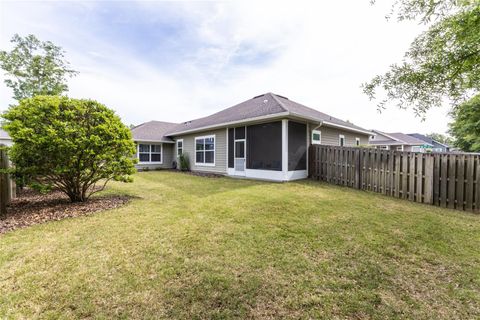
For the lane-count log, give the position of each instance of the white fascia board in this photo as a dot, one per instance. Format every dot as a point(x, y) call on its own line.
point(155, 141)
point(331, 124)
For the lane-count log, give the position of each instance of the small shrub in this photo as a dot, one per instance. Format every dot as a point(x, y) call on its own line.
point(183, 163)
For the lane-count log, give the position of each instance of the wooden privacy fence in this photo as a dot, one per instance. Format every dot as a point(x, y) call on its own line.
point(447, 180)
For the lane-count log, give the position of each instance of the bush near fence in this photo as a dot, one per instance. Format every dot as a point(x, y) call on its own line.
point(448, 180)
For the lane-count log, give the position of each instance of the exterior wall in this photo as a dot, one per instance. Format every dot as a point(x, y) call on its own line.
point(6, 142)
point(167, 158)
point(330, 136)
point(380, 137)
point(220, 150)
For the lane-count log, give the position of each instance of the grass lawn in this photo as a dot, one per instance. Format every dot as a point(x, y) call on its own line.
point(200, 248)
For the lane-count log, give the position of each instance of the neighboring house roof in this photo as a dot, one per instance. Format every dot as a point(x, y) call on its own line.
point(4, 135)
point(154, 131)
point(435, 143)
point(398, 138)
point(264, 106)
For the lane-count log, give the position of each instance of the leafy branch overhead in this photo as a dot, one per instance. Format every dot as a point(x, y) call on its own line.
point(443, 63)
point(35, 68)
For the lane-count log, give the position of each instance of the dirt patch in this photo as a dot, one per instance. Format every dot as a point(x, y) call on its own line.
point(31, 207)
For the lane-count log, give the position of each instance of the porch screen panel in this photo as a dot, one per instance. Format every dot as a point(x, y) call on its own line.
point(264, 146)
point(231, 148)
point(297, 146)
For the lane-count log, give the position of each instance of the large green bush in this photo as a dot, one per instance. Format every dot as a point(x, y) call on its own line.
point(76, 146)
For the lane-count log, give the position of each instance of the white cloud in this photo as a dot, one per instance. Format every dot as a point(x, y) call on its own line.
point(312, 52)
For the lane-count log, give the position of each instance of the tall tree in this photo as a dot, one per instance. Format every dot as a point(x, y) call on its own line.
point(466, 125)
point(35, 68)
point(442, 138)
point(76, 146)
point(443, 63)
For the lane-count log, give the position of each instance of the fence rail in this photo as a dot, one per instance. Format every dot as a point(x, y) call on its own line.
point(445, 180)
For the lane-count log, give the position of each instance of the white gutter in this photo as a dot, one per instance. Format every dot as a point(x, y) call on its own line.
point(347, 128)
point(159, 141)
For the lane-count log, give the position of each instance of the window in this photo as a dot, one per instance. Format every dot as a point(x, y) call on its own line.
point(179, 147)
point(150, 153)
point(316, 137)
point(205, 150)
point(341, 140)
point(357, 141)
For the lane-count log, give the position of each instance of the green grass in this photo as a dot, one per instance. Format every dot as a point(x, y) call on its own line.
point(201, 248)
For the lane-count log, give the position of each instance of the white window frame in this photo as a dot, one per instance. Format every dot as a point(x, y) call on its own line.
point(150, 153)
point(340, 137)
point(320, 134)
point(176, 146)
point(357, 141)
point(203, 164)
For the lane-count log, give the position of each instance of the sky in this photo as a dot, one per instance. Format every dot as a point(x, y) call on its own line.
point(177, 61)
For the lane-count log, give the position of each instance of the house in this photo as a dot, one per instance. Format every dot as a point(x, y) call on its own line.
point(437, 146)
point(266, 137)
point(399, 142)
point(5, 139)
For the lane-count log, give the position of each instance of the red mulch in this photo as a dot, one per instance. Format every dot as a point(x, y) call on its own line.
point(31, 207)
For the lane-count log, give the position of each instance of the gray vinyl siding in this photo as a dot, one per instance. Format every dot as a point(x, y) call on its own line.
point(167, 157)
point(330, 136)
point(220, 150)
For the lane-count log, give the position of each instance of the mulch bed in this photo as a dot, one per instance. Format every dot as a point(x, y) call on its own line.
point(198, 173)
point(31, 207)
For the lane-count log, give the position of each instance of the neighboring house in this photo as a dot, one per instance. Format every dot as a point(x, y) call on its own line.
point(5, 138)
point(437, 146)
point(399, 142)
point(266, 137)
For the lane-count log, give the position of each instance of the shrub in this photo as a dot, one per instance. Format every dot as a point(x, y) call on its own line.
point(184, 164)
point(76, 146)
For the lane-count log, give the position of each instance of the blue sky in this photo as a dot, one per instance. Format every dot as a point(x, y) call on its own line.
point(175, 61)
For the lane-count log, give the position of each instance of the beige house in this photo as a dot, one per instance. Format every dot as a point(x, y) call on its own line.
point(266, 137)
point(399, 142)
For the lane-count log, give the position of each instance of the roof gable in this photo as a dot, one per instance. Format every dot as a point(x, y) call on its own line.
point(153, 131)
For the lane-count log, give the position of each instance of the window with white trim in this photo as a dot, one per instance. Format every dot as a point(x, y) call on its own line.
point(316, 137)
point(205, 150)
point(179, 147)
point(150, 153)
point(341, 140)
point(357, 141)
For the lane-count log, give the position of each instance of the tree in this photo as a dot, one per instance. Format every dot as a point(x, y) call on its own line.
point(35, 68)
point(466, 125)
point(442, 138)
point(70, 144)
point(442, 64)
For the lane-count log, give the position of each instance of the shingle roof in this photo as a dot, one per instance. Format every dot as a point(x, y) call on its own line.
point(268, 104)
point(398, 138)
point(427, 139)
point(153, 131)
point(4, 135)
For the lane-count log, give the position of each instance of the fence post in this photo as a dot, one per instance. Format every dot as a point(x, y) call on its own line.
point(429, 173)
point(4, 183)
